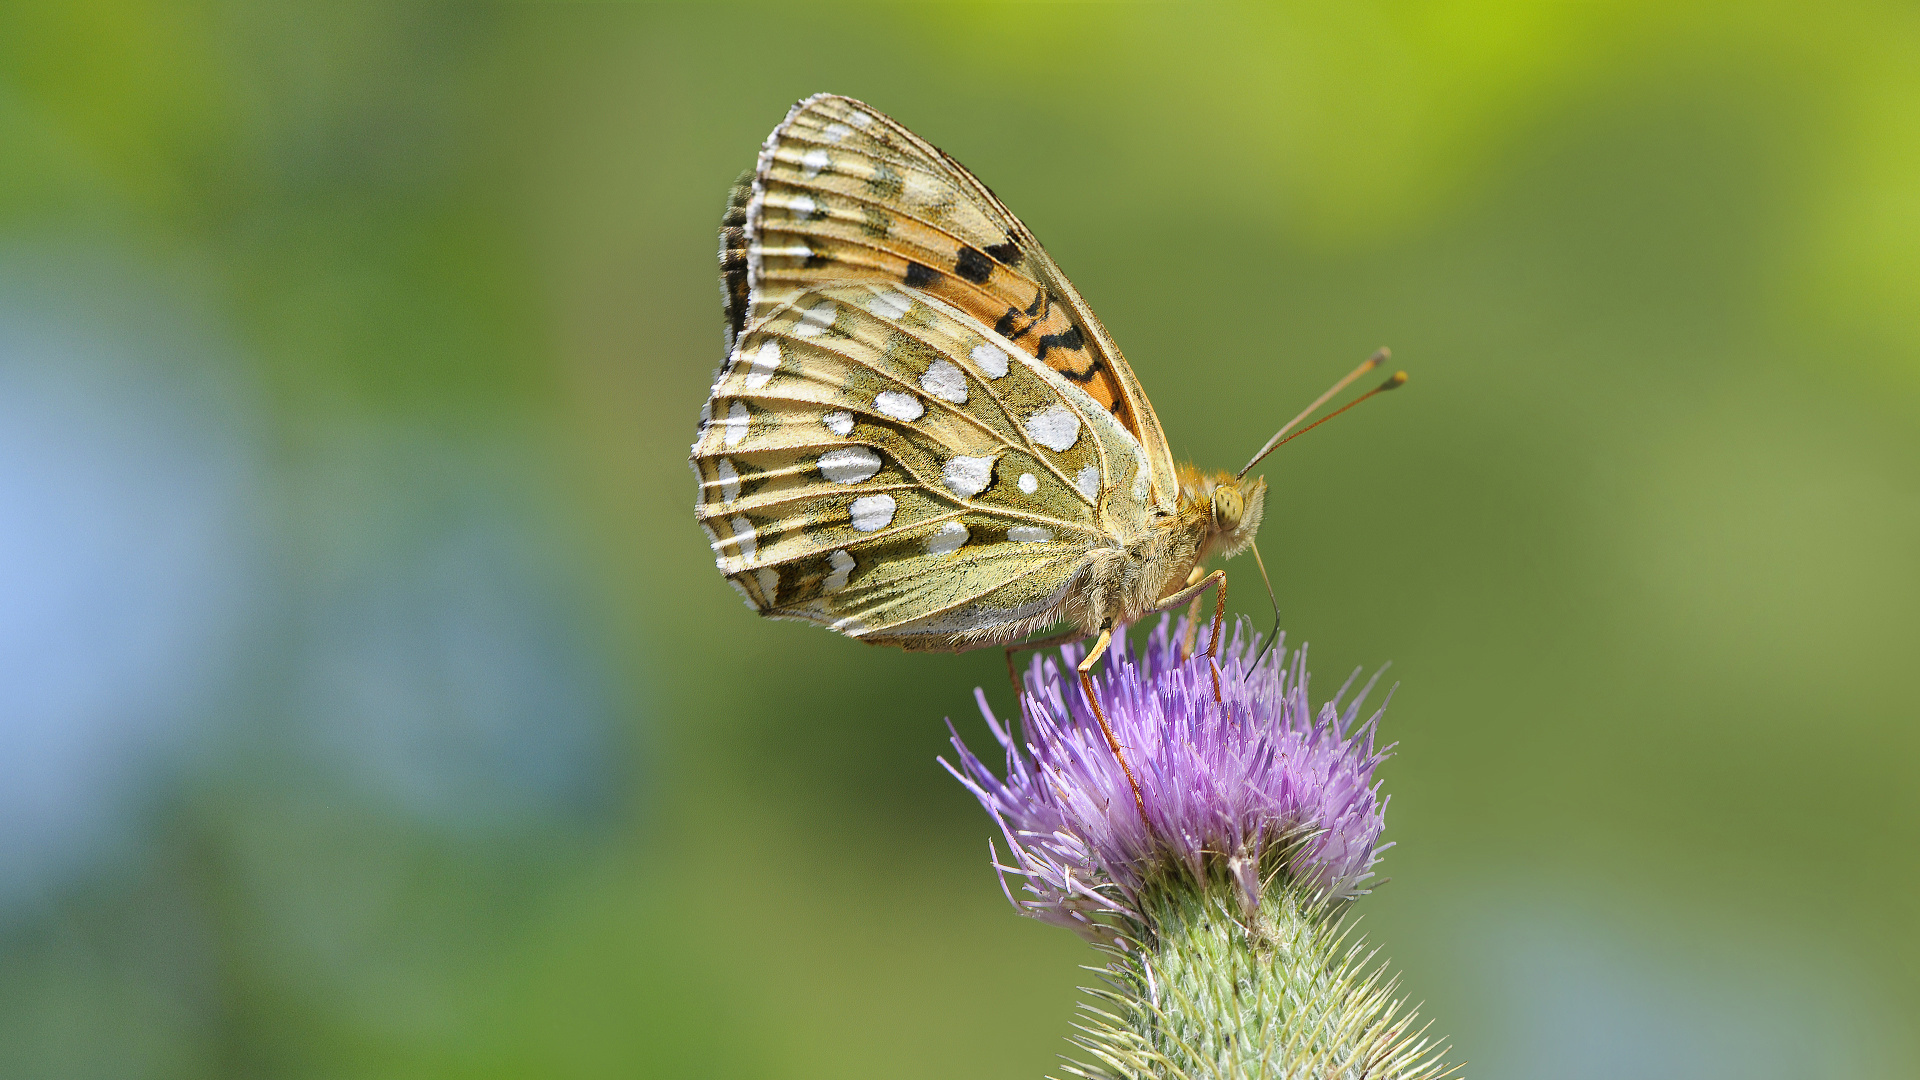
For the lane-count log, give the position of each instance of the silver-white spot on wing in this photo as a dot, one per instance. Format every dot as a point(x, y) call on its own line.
point(1054, 427)
point(839, 421)
point(729, 480)
point(946, 382)
point(948, 539)
point(1028, 484)
point(734, 427)
point(764, 362)
point(1088, 481)
point(890, 304)
point(815, 320)
point(792, 250)
point(1029, 534)
point(898, 405)
point(872, 513)
point(743, 539)
point(849, 464)
point(814, 162)
point(837, 131)
point(967, 476)
point(842, 564)
point(992, 360)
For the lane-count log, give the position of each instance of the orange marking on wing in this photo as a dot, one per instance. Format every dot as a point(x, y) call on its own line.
point(883, 205)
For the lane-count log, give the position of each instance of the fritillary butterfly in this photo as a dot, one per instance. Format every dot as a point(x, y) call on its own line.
point(922, 436)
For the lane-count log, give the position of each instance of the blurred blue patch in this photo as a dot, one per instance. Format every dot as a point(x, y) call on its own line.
point(391, 623)
point(279, 735)
point(128, 554)
point(447, 665)
point(1652, 995)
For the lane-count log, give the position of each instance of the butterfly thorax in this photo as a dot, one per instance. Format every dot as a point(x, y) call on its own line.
point(1118, 585)
point(1216, 515)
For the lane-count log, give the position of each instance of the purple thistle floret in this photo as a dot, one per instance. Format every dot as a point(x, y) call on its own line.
point(1238, 790)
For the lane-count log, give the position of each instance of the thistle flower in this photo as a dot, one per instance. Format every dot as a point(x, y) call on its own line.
point(1221, 910)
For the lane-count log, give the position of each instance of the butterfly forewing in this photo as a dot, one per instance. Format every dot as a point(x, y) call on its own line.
point(843, 193)
point(883, 463)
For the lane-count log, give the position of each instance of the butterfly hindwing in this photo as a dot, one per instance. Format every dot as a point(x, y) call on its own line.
point(842, 192)
point(883, 463)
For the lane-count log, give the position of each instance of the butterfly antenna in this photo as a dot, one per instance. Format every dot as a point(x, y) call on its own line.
point(1374, 361)
point(1275, 636)
point(1399, 379)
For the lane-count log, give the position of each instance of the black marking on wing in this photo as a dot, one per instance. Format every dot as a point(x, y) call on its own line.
point(733, 256)
point(1069, 338)
point(920, 276)
point(972, 265)
point(1035, 314)
point(1084, 377)
point(1006, 254)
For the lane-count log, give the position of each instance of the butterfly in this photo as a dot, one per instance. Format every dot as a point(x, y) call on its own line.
point(922, 436)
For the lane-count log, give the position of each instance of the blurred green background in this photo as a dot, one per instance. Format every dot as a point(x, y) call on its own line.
point(369, 706)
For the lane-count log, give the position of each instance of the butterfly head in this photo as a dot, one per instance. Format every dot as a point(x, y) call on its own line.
point(1227, 508)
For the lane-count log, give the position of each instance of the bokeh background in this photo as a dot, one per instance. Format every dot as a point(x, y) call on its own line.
point(369, 706)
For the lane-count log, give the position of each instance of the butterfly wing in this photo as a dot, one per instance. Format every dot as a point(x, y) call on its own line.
point(841, 192)
point(880, 462)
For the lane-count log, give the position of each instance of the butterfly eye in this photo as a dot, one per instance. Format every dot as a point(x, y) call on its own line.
point(1227, 507)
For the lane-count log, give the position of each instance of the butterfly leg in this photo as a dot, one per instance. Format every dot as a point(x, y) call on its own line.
point(1086, 684)
point(1013, 673)
point(1192, 592)
point(1193, 617)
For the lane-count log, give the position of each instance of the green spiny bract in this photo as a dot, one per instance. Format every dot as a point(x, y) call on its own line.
point(1202, 988)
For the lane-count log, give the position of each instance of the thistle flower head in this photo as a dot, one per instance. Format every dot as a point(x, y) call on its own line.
point(1238, 791)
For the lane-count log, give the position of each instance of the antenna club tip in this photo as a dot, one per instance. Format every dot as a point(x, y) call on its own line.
point(1399, 379)
point(1382, 355)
